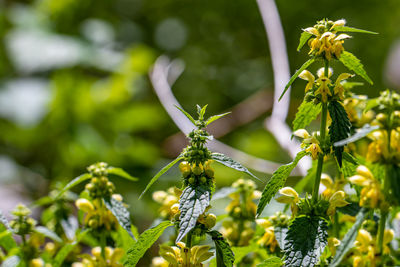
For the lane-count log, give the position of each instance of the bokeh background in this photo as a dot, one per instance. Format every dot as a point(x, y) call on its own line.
point(74, 86)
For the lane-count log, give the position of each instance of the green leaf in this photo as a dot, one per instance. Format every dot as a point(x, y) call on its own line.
point(231, 163)
point(348, 241)
point(74, 182)
point(67, 249)
point(354, 64)
point(120, 212)
point(349, 165)
point(121, 173)
point(303, 39)
point(306, 113)
point(48, 233)
point(394, 181)
point(305, 241)
point(352, 209)
point(12, 261)
point(163, 170)
point(216, 117)
point(145, 241)
point(201, 111)
point(339, 128)
point(271, 262)
point(192, 203)
point(187, 115)
point(277, 181)
point(241, 252)
point(225, 256)
point(308, 179)
point(371, 103)
point(124, 240)
point(296, 74)
point(351, 29)
point(4, 221)
point(6, 239)
point(364, 131)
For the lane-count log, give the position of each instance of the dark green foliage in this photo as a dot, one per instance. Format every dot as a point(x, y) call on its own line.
point(303, 39)
point(348, 241)
point(307, 112)
point(296, 74)
point(192, 203)
point(305, 241)
point(145, 241)
point(231, 163)
point(394, 180)
point(224, 254)
point(349, 165)
point(277, 181)
point(120, 212)
point(354, 64)
point(339, 128)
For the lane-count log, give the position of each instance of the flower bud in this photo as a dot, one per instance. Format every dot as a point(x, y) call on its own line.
point(117, 197)
point(36, 263)
point(211, 220)
point(93, 223)
point(84, 205)
point(203, 179)
point(197, 169)
point(96, 252)
point(191, 180)
point(185, 169)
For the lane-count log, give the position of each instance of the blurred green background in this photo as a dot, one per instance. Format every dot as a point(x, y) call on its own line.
point(74, 87)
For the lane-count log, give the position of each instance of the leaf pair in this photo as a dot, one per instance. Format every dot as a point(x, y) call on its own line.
point(201, 111)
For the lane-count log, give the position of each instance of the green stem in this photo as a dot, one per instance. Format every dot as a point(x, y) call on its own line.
point(189, 240)
point(320, 156)
point(103, 245)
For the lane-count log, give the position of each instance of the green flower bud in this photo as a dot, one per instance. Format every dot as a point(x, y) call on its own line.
point(203, 179)
point(185, 169)
point(211, 220)
point(197, 169)
point(191, 180)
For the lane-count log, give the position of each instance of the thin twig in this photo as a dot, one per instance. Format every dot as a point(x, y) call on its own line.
point(159, 76)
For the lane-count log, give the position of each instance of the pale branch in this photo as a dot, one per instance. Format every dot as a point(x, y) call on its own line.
point(159, 76)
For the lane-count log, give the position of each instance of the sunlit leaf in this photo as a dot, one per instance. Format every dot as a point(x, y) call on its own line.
point(364, 131)
point(187, 115)
point(351, 29)
point(307, 112)
point(216, 117)
point(271, 262)
point(303, 39)
point(121, 173)
point(231, 163)
point(48, 233)
point(354, 64)
point(67, 249)
point(74, 182)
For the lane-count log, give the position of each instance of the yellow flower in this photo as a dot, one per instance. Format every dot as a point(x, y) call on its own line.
point(238, 235)
point(289, 196)
point(378, 148)
point(337, 200)
point(169, 202)
point(323, 83)
point(183, 256)
point(306, 75)
point(112, 258)
point(159, 262)
point(339, 89)
point(333, 242)
point(370, 194)
point(310, 142)
point(268, 239)
point(331, 187)
point(246, 194)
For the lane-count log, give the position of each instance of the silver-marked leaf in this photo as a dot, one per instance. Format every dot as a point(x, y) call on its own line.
point(161, 172)
point(231, 163)
point(351, 29)
point(354, 64)
point(307, 112)
point(4, 221)
point(348, 241)
point(48, 233)
point(277, 181)
point(303, 39)
point(121, 173)
point(305, 241)
point(364, 131)
point(224, 254)
point(145, 241)
point(12, 261)
point(192, 203)
point(271, 262)
point(186, 114)
point(120, 212)
point(216, 117)
point(280, 235)
point(74, 182)
point(67, 249)
point(296, 74)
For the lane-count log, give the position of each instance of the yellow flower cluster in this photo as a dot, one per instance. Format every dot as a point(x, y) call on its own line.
point(169, 202)
point(310, 142)
point(355, 111)
point(365, 248)
point(112, 258)
point(326, 42)
point(268, 239)
point(97, 215)
point(182, 256)
point(378, 149)
point(371, 194)
point(324, 83)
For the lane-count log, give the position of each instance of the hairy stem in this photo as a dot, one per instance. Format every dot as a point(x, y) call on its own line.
point(322, 132)
point(189, 240)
